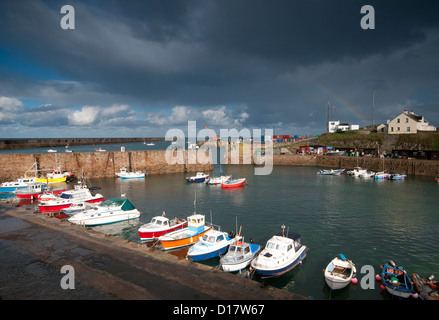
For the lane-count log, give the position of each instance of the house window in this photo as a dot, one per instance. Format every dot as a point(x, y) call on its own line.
point(398, 120)
point(406, 120)
point(397, 128)
point(391, 129)
point(408, 129)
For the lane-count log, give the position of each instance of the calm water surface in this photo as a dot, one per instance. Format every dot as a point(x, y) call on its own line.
point(369, 221)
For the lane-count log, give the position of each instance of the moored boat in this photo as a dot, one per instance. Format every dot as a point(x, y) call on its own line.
point(427, 288)
point(186, 236)
point(381, 175)
point(36, 189)
point(357, 171)
point(217, 180)
point(108, 211)
point(79, 194)
point(132, 175)
point(339, 273)
point(213, 244)
point(56, 176)
point(239, 256)
point(233, 183)
point(332, 172)
point(396, 281)
point(199, 177)
point(159, 226)
point(76, 207)
point(281, 254)
point(397, 176)
point(13, 186)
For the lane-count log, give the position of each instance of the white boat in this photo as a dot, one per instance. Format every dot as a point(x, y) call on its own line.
point(217, 180)
point(51, 150)
point(357, 171)
point(239, 256)
point(132, 175)
point(19, 184)
point(199, 177)
point(108, 211)
point(121, 171)
point(280, 255)
point(150, 144)
point(332, 172)
point(100, 150)
point(339, 273)
point(397, 176)
point(79, 194)
point(213, 244)
point(367, 174)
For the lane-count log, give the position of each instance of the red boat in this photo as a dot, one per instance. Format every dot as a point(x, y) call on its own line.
point(233, 183)
point(67, 198)
point(159, 226)
point(33, 190)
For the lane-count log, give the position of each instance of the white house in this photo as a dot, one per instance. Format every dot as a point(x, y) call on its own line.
point(408, 122)
point(334, 126)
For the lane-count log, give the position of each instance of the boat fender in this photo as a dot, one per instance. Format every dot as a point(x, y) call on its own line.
point(378, 277)
point(383, 287)
point(415, 295)
point(354, 280)
point(392, 263)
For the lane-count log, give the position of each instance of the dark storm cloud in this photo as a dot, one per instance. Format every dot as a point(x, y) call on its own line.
point(266, 55)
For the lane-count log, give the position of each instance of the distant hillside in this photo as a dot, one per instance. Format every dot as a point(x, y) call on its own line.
point(383, 141)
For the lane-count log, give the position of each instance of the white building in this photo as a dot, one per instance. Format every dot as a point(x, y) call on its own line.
point(334, 126)
point(408, 122)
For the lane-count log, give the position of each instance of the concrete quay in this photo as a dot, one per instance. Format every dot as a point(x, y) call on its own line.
point(34, 248)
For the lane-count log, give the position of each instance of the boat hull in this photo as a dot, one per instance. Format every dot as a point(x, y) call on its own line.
point(151, 235)
point(170, 243)
point(265, 272)
point(232, 184)
point(117, 216)
point(58, 207)
point(208, 255)
point(35, 195)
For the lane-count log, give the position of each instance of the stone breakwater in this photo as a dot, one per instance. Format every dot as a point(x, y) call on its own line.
point(94, 164)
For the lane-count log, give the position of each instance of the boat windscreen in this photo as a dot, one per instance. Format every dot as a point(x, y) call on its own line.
point(66, 196)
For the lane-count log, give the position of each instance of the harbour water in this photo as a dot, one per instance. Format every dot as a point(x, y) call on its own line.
point(369, 221)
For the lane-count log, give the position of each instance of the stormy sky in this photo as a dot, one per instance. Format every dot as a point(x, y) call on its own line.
point(139, 68)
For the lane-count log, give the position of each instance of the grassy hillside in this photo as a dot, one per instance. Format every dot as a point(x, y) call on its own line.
point(420, 141)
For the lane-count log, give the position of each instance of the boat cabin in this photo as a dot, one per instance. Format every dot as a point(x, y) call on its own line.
point(240, 249)
point(284, 244)
point(214, 237)
point(160, 221)
point(196, 222)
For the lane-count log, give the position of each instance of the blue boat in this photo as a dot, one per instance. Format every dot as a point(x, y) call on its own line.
point(199, 177)
point(280, 255)
point(213, 244)
point(239, 256)
point(397, 176)
point(19, 184)
point(396, 280)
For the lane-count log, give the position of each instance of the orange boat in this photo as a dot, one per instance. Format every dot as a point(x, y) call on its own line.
point(187, 236)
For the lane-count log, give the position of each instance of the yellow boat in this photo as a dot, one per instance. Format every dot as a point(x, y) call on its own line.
point(53, 177)
point(187, 236)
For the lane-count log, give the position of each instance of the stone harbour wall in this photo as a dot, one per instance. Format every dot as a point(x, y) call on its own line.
point(94, 164)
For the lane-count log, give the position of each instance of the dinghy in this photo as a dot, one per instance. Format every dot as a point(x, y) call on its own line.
point(339, 273)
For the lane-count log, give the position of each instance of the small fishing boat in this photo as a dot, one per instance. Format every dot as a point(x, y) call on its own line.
point(340, 272)
point(397, 176)
point(239, 256)
point(217, 180)
point(13, 186)
point(427, 288)
point(367, 174)
point(79, 194)
point(213, 244)
point(186, 236)
point(381, 175)
point(233, 183)
point(199, 177)
point(51, 150)
point(56, 176)
point(281, 254)
point(132, 175)
point(357, 171)
point(332, 172)
point(108, 211)
point(159, 226)
point(34, 190)
point(396, 280)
